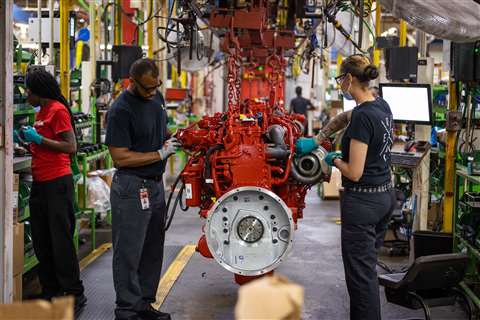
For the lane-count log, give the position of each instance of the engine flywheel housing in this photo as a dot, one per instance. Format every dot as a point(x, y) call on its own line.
point(249, 231)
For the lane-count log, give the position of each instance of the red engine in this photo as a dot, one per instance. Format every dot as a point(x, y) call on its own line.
point(242, 172)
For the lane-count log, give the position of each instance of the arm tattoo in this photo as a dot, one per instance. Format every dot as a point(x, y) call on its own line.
point(336, 124)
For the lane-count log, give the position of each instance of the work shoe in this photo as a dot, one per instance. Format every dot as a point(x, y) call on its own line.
point(80, 302)
point(152, 314)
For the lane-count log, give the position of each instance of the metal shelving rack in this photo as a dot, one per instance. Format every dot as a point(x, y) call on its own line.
point(471, 284)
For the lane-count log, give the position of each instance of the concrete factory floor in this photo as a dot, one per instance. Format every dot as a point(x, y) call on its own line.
point(207, 291)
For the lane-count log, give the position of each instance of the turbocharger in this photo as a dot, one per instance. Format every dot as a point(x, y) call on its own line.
point(311, 168)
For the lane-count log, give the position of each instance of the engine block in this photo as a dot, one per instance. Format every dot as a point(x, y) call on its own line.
point(249, 186)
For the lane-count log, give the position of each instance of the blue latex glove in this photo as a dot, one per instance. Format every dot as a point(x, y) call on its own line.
point(332, 156)
point(31, 135)
point(16, 137)
point(305, 146)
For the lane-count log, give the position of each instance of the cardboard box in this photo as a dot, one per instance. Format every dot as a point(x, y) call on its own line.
point(108, 178)
point(59, 309)
point(18, 248)
point(331, 190)
point(15, 189)
point(18, 288)
point(273, 298)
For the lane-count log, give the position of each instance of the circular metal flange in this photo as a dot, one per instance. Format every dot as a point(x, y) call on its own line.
point(249, 231)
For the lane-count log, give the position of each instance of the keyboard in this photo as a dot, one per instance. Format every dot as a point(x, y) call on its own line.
point(405, 159)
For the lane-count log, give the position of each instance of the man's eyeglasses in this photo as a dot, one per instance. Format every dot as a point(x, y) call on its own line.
point(148, 89)
point(340, 78)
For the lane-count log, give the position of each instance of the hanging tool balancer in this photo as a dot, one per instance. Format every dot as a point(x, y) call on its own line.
point(242, 171)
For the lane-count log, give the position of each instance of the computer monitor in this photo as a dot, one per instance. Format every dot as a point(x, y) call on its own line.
point(348, 104)
point(408, 102)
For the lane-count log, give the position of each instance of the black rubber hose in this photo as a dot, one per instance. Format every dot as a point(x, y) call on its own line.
point(183, 207)
point(167, 208)
point(208, 170)
point(175, 204)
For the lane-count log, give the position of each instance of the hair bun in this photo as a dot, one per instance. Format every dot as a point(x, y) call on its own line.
point(371, 72)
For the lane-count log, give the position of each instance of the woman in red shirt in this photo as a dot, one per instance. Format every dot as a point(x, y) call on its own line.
point(52, 215)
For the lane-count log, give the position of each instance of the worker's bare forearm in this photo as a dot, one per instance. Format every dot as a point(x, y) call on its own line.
point(345, 169)
point(132, 159)
point(66, 145)
point(334, 125)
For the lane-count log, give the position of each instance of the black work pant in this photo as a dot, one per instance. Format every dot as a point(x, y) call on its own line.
point(138, 239)
point(52, 219)
point(364, 222)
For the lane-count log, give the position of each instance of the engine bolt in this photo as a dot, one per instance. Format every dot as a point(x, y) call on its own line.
point(224, 210)
point(235, 198)
point(274, 229)
point(275, 240)
point(225, 219)
point(272, 217)
point(265, 208)
point(225, 230)
point(260, 197)
point(226, 242)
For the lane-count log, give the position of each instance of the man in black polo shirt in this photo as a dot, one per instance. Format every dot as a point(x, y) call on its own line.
point(301, 105)
point(137, 140)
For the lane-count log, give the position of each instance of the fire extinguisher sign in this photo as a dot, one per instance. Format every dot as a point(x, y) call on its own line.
point(188, 190)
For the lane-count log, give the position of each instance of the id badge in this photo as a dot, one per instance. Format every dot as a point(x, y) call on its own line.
point(144, 201)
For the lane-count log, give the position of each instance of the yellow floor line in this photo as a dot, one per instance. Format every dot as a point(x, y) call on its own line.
point(94, 255)
point(172, 274)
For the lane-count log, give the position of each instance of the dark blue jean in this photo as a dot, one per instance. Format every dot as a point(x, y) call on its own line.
point(365, 217)
point(138, 240)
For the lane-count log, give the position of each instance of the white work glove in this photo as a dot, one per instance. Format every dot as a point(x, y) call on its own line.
point(169, 148)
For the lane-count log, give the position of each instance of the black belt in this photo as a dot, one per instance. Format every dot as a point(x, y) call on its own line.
point(370, 189)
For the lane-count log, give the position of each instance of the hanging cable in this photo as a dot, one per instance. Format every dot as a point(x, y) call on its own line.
point(167, 29)
point(175, 204)
point(150, 16)
point(170, 215)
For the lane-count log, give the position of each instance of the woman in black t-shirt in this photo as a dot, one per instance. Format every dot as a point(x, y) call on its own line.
point(367, 201)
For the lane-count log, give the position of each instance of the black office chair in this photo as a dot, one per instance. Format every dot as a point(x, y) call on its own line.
point(430, 282)
point(398, 246)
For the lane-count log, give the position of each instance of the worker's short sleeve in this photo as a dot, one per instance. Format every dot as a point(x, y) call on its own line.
point(118, 128)
point(361, 128)
point(61, 121)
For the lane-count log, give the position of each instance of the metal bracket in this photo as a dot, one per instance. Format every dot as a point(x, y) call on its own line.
point(454, 120)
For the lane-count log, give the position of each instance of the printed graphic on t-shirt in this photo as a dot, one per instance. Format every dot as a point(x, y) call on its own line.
point(387, 125)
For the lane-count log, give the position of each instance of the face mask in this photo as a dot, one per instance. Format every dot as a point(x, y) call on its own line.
point(347, 94)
